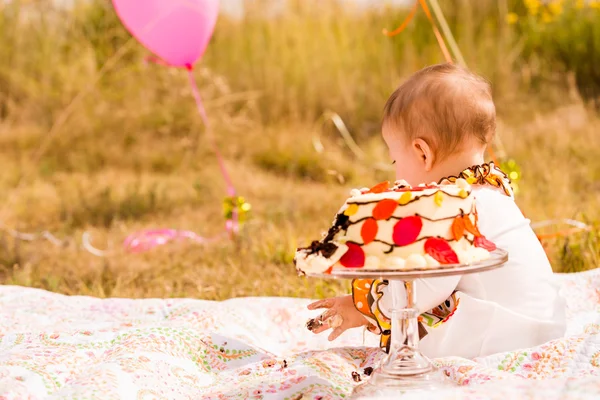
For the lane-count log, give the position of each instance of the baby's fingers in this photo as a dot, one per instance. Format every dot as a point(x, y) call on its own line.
point(340, 327)
point(337, 332)
point(321, 323)
point(320, 328)
point(326, 303)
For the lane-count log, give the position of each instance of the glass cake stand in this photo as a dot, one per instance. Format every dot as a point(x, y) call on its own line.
point(405, 368)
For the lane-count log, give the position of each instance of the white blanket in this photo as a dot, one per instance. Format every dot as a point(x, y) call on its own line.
point(59, 347)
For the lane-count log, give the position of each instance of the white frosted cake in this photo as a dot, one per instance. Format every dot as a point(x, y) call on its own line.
point(400, 228)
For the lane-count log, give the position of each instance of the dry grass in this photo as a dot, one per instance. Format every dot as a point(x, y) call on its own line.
point(132, 155)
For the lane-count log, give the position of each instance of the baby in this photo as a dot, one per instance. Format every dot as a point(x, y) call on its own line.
point(437, 126)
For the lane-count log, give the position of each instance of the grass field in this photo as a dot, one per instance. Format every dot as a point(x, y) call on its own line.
point(93, 139)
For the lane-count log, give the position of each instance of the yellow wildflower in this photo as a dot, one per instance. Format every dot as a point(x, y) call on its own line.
point(533, 6)
point(579, 4)
point(512, 18)
point(556, 7)
point(546, 17)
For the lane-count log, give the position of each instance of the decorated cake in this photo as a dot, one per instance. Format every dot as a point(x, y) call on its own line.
point(400, 228)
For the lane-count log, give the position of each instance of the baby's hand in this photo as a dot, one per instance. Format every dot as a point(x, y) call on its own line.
point(340, 316)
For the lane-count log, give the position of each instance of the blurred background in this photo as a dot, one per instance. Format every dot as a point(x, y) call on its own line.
point(94, 139)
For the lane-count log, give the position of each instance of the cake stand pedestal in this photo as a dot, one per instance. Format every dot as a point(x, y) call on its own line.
point(406, 369)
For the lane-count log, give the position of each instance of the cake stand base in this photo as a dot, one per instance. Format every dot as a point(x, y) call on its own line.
point(406, 370)
point(384, 386)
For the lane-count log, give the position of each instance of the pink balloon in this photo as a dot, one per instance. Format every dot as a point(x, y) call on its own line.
point(177, 31)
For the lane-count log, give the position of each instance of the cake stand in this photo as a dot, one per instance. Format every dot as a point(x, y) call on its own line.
point(406, 369)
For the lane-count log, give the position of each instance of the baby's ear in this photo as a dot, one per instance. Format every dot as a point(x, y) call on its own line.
point(424, 153)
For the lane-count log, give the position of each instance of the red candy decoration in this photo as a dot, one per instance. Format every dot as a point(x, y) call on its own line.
point(380, 187)
point(441, 251)
point(384, 209)
point(482, 242)
point(407, 230)
point(369, 230)
point(354, 257)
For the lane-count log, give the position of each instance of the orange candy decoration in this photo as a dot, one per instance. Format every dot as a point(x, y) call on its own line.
point(470, 227)
point(458, 228)
point(369, 230)
point(380, 187)
point(462, 223)
point(384, 209)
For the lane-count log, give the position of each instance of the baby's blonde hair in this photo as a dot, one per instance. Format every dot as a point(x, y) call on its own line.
point(443, 104)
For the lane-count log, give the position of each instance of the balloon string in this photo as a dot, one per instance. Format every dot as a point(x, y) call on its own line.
point(204, 117)
point(436, 32)
point(441, 43)
point(492, 154)
point(202, 112)
point(404, 23)
point(156, 60)
point(575, 227)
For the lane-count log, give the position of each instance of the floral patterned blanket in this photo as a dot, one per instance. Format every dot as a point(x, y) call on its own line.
point(59, 347)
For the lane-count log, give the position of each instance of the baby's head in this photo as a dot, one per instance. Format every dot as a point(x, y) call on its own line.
point(438, 123)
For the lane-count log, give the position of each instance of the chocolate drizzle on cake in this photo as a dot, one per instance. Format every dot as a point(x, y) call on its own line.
point(358, 221)
point(393, 246)
point(418, 196)
point(342, 222)
point(326, 247)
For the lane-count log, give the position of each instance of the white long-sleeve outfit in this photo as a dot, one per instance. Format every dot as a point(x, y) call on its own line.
point(512, 307)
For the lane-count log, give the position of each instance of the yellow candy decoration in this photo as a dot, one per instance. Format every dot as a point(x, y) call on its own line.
point(405, 198)
point(463, 193)
point(438, 198)
point(351, 210)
